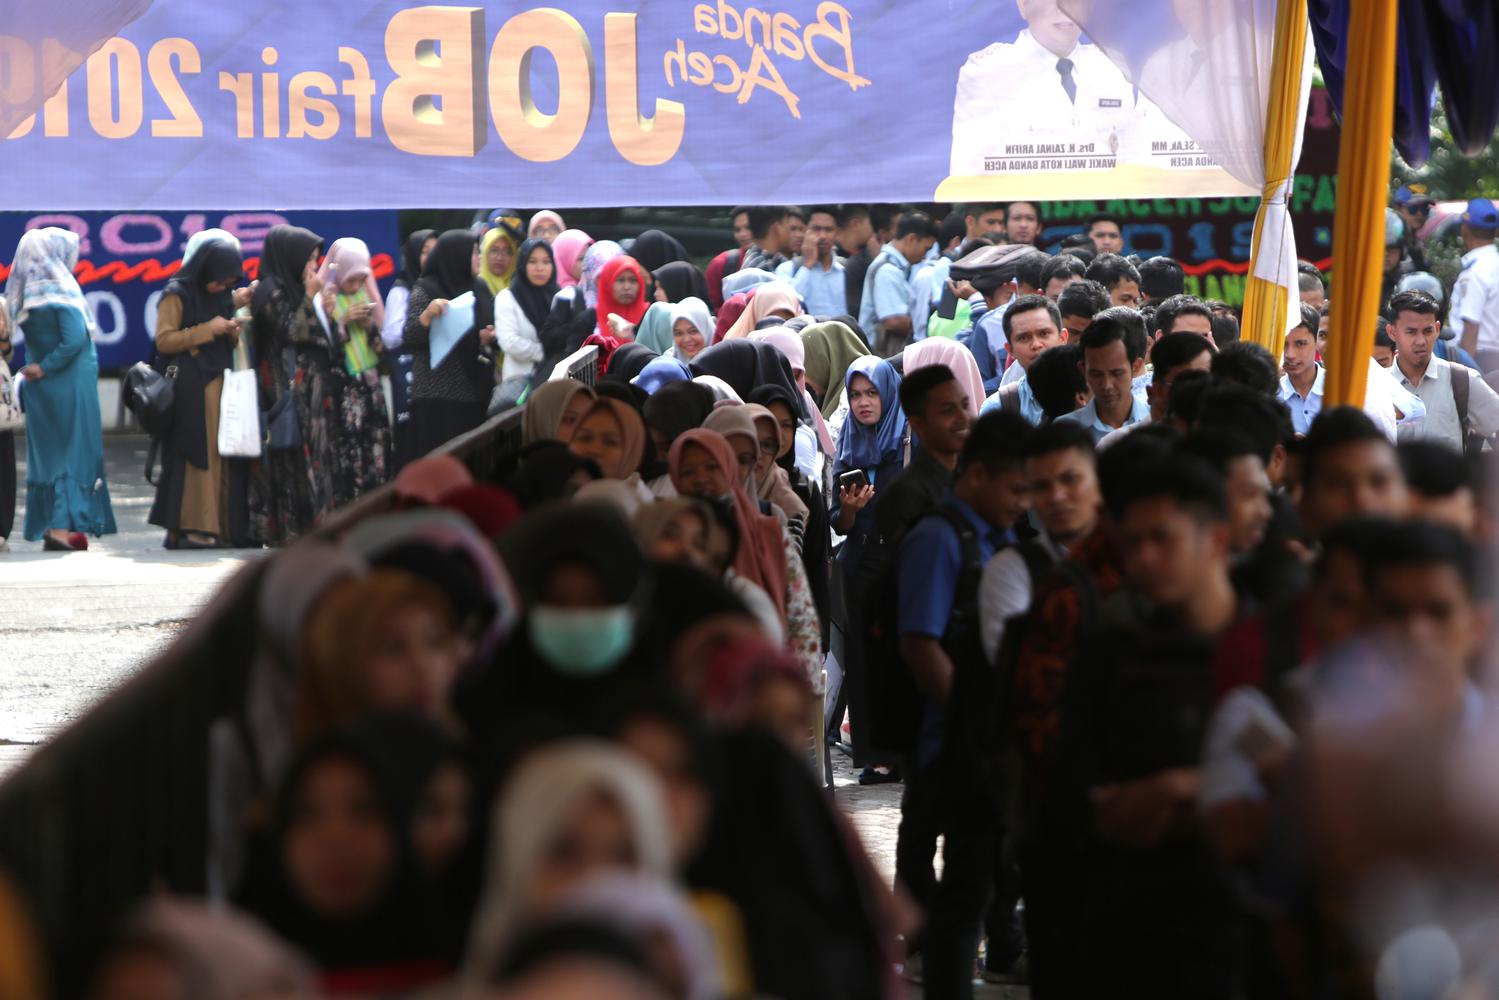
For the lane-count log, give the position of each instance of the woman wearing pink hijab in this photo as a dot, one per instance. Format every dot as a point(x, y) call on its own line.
point(775, 298)
point(943, 351)
point(790, 344)
point(349, 306)
point(546, 225)
point(569, 248)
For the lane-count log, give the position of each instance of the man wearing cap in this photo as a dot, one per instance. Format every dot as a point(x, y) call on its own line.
point(1475, 297)
point(1414, 206)
point(991, 271)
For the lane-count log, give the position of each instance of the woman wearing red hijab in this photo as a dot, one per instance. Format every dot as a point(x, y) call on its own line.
point(622, 292)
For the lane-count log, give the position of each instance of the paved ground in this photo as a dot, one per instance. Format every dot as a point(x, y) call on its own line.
point(75, 624)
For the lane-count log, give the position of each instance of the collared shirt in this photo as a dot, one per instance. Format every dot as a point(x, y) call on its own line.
point(1139, 412)
point(1304, 409)
point(822, 288)
point(931, 560)
point(1030, 408)
point(887, 289)
point(1441, 423)
point(756, 258)
point(1013, 104)
point(1014, 373)
point(987, 345)
point(1475, 296)
point(1005, 592)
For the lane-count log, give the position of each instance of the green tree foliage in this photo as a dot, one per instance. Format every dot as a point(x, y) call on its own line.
point(1447, 174)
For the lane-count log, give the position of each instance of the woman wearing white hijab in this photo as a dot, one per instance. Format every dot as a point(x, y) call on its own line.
point(571, 812)
point(66, 495)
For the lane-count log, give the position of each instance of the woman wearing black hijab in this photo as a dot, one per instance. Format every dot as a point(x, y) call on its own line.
point(452, 398)
point(522, 308)
point(627, 361)
point(746, 365)
point(680, 280)
point(816, 542)
point(200, 499)
point(674, 410)
point(655, 249)
point(413, 255)
point(292, 484)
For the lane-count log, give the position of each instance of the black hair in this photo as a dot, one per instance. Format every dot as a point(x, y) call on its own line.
point(917, 386)
point(1028, 269)
point(1167, 311)
point(1425, 543)
point(1123, 464)
point(1162, 277)
point(797, 211)
point(979, 208)
point(1310, 318)
point(880, 216)
point(1263, 419)
point(1055, 380)
point(1220, 446)
point(1086, 254)
point(1336, 427)
point(1060, 435)
point(996, 441)
point(848, 213)
point(1077, 241)
point(1432, 468)
point(1225, 330)
point(1109, 269)
point(916, 224)
point(1094, 220)
point(1174, 350)
point(1119, 324)
point(1412, 301)
point(952, 228)
point(1381, 335)
point(1310, 281)
point(739, 210)
point(1184, 401)
point(1062, 266)
point(829, 210)
point(1186, 479)
point(1358, 536)
point(567, 941)
point(1249, 365)
point(977, 243)
point(1083, 298)
point(765, 216)
point(1030, 303)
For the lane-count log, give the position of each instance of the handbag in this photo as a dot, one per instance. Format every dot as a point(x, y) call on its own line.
point(151, 396)
point(239, 415)
point(12, 417)
point(282, 430)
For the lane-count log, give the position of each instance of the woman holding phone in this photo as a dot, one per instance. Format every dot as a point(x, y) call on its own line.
point(200, 499)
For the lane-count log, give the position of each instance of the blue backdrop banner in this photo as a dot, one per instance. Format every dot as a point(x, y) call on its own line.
point(125, 260)
point(311, 104)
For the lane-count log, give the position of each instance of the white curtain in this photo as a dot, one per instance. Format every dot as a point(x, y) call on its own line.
point(43, 41)
point(1207, 65)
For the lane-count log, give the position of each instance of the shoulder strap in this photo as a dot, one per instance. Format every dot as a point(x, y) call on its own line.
point(1461, 390)
point(972, 571)
point(1009, 398)
point(732, 261)
point(1038, 559)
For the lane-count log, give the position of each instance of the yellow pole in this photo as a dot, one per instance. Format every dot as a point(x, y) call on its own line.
point(1363, 189)
point(1266, 303)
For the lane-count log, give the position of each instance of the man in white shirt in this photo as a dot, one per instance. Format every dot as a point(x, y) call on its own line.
point(1459, 403)
point(817, 274)
point(1043, 96)
point(1475, 296)
point(1063, 476)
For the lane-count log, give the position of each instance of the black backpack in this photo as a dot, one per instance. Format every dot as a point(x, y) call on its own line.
point(896, 703)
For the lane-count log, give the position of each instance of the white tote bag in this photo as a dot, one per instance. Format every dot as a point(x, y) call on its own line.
point(11, 417)
point(239, 415)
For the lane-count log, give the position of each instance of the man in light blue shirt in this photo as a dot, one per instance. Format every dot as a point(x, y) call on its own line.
point(1301, 385)
point(1113, 357)
point(817, 274)
point(885, 314)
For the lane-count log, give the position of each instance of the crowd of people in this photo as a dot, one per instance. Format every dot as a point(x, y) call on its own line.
point(1182, 668)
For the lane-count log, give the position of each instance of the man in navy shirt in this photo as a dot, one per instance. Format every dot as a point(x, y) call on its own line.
point(941, 561)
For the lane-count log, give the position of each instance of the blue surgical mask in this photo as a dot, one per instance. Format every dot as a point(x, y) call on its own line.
point(583, 642)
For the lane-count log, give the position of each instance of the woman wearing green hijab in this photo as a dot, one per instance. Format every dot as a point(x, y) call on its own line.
point(831, 348)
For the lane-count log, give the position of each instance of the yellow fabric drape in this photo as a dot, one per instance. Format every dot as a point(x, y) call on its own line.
point(1363, 187)
point(1266, 302)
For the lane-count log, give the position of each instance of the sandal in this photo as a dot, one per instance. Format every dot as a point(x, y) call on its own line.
point(76, 542)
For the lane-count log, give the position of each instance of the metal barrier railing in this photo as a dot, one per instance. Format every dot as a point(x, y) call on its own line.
point(117, 804)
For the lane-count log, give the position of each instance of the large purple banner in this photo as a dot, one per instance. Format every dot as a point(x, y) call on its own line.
point(312, 104)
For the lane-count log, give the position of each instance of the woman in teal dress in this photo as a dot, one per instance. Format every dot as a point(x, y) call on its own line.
point(66, 495)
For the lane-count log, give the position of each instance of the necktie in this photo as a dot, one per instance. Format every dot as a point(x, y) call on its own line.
point(1064, 70)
